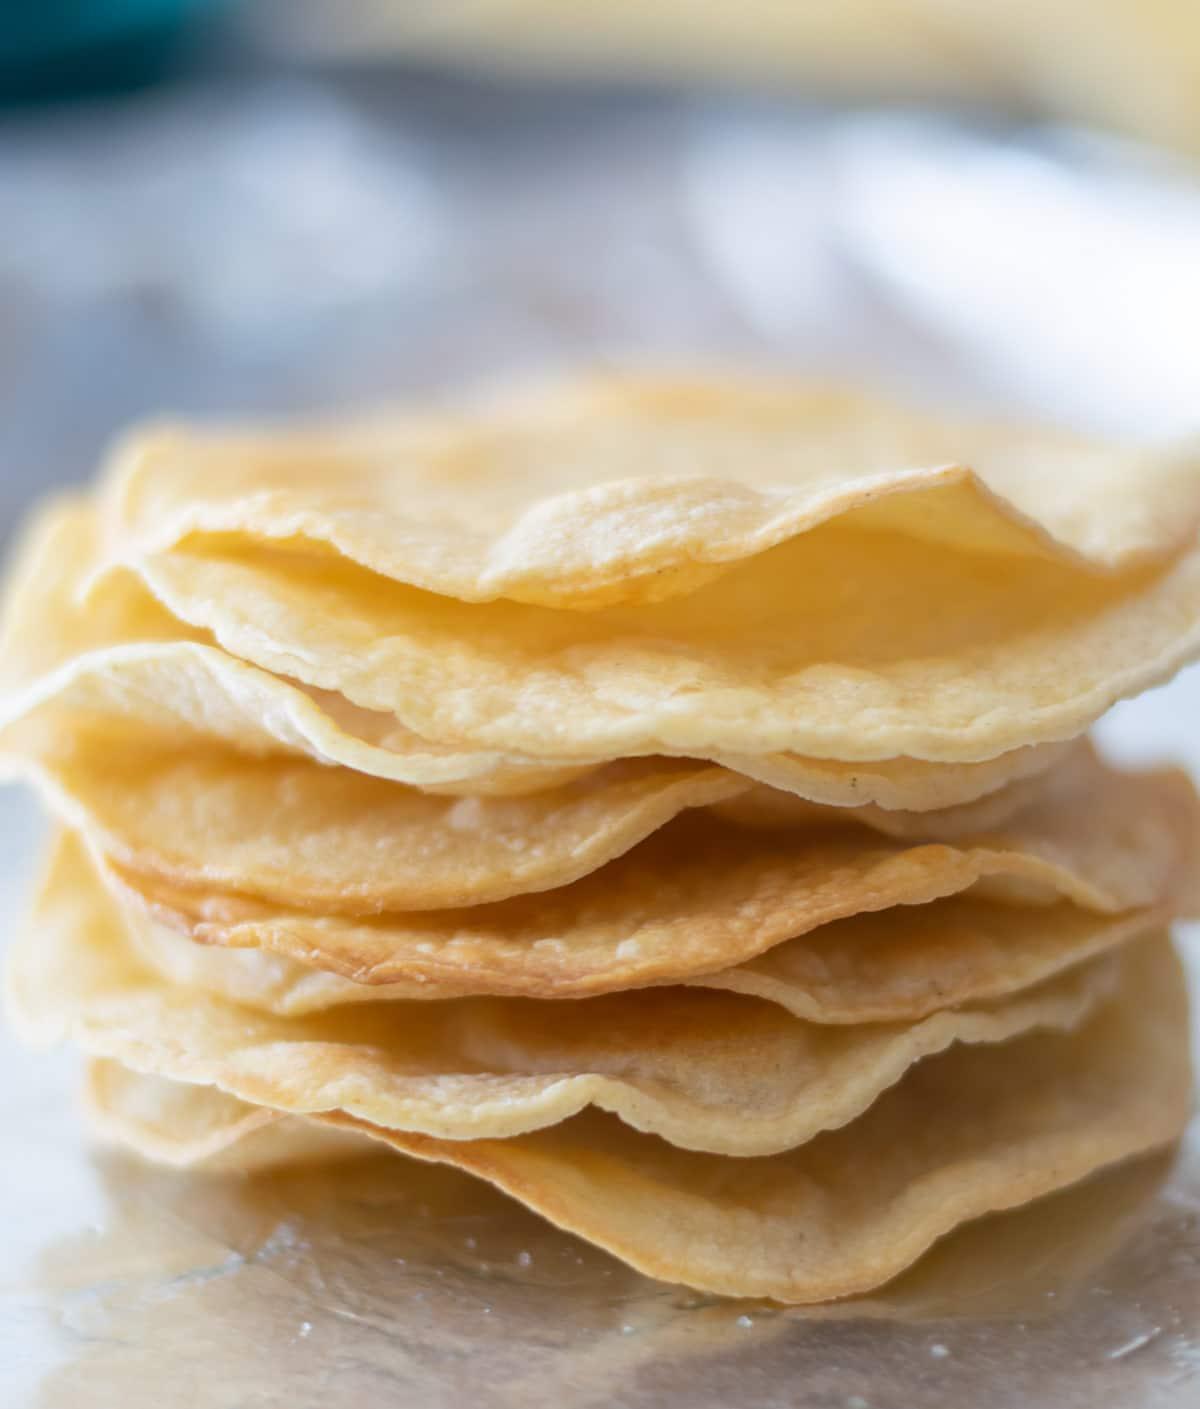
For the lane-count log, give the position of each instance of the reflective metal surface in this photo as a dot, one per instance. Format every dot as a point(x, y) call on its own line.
point(383, 1282)
point(287, 245)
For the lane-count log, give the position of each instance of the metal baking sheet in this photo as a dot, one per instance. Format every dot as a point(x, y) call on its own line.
point(300, 243)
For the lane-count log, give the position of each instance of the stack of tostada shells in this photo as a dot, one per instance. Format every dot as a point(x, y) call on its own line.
point(667, 800)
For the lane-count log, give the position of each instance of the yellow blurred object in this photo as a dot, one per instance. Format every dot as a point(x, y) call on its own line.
point(1129, 65)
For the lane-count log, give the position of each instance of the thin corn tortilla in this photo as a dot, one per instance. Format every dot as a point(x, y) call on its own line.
point(978, 1130)
point(704, 1070)
point(289, 830)
point(895, 784)
point(791, 652)
point(45, 624)
point(997, 1266)
point(199, 1125)
point(902, 964)
point(701, 896)
point(909, 614)
point(603, 492)
point(970, 1132)
point(897, 965)
point(118, 660)
point(771, 809)
point(185, 688)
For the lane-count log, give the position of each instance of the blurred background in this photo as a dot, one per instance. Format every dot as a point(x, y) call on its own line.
point(232, 207)
point(221, 207)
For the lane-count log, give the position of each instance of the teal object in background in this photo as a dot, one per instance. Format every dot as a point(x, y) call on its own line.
point(60, 48)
